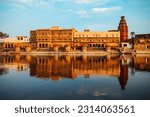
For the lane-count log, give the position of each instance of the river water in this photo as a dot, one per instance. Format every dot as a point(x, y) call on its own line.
point(75, 77)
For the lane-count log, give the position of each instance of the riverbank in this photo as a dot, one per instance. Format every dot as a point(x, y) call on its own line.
point(62, 53)
point(74, 53)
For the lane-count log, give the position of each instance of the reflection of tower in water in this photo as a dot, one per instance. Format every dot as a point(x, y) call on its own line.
point(123, 74)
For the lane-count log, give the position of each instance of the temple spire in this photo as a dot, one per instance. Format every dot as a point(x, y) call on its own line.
point(123, 28)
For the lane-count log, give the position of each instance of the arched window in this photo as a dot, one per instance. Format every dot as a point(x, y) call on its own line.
point(40, 45)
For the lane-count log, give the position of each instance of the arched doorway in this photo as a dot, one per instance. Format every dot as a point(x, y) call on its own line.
point(40, 45)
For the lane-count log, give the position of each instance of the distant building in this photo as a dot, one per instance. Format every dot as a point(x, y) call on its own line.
point(10, 43)
point(142, 42)
point(144, 36)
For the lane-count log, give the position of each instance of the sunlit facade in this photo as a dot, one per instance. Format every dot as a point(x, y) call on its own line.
point(57, 38)
point(10, 44)
point(142, 42)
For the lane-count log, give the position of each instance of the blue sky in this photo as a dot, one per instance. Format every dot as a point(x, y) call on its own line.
point(18, 17)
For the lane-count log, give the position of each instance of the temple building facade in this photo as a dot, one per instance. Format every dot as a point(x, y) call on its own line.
point(10, 44)
point(142, 42)
point(56, 38)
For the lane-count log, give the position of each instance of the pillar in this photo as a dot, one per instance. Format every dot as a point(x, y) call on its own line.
point(74, 48)
point(56, 48)
point(37, 46)
point(17, 49)
point(28, 48)
point(84, 48)
point(68, 48)
point(108, 49)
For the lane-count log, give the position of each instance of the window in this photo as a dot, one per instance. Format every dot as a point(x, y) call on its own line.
point(148, 47)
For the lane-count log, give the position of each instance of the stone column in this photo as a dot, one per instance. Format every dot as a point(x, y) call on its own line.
point(68, 48)
point(108, 49)
point(84, 48)
point(17, 49)
point(56, 48)
point(37, 46)
point(28, 48)
point(74, 48)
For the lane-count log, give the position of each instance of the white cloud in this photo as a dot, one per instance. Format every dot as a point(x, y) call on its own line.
point(98, 2)
point(22, 4)
point(25, 2)
point(84, 1)
point(83, 13)
point(100, 10)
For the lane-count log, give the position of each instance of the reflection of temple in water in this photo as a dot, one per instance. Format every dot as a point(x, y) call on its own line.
point(123, 73)
point(56, 67)
point(17, 62)
point(142, 63)
point(71, 67)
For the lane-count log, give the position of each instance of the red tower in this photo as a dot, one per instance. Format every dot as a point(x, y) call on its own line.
point(123, 28)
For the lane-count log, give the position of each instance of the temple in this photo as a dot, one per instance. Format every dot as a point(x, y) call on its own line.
point(70, 40)
point(60, 39)
point(123, 28)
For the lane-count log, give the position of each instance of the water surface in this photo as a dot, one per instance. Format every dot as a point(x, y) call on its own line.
point(74, 77)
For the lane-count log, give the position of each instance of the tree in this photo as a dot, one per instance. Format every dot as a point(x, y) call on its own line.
point(3, 35)
point(132, 34)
